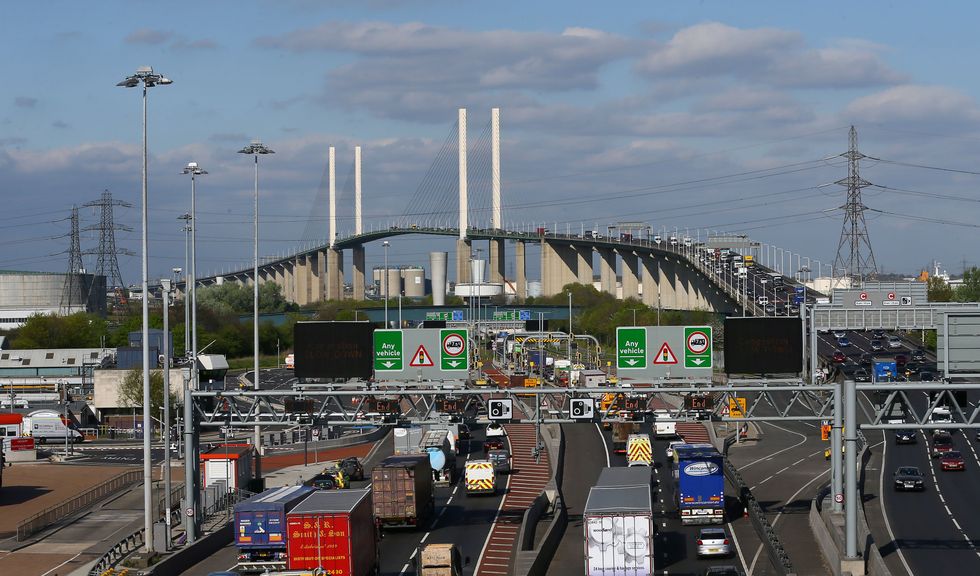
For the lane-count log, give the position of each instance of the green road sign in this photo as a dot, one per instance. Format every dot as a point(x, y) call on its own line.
point(697, 347)
point(452, 351)
point(631, 348)
point(389, 353)
point(446, 316)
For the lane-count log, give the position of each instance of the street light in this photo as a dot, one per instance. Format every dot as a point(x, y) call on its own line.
point(386, 244)
point(165, 284)
point(255, 149)
point(194, 170)
point(186, 229)
point(144, 75)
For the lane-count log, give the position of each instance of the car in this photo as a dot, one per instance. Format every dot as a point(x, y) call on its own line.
point(713, 542)
point(862, 375)
point(323, 482)
point(877, 346)
point(840, 334)
point(464, 432)
point(894, 342)
point(941, 415)
point(843, 342)
point(839, 357)
point(657, 239)
point(670, 448)
point(866, 359)
point(500, 460)
point(901, 360)
point(762, 300)
point(942, 442)
point(926, 376)
point(919, 355)
point(495, 429)
point(494, 443)
point(908, 478)
point(905, 436)
point(952, 460)
point(722, 571)
point(352, 467)
point(878, 334)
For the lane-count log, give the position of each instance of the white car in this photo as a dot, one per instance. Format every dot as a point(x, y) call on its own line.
point(494, 429)
point(657, 239)
point(894, 342)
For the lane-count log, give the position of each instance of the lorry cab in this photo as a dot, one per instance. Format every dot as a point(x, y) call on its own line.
point(639, 450)
point(480, 477)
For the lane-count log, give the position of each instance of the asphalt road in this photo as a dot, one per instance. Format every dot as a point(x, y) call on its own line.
point(459, 519)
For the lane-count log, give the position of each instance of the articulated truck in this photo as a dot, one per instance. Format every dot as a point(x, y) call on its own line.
point(700, 478)
point(619, 524)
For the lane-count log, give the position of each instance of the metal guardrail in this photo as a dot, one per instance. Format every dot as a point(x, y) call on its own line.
point(757, 515)
point(49, 516)
point(125, 547)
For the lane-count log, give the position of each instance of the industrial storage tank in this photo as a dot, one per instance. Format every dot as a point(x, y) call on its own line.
point(414, 277)
point(533, 289)
point(437, 263)
point(394, 283)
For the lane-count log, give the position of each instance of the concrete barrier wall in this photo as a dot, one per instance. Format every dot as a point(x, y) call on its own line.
point(826, 542)
point(179, 563)
point(535, 562)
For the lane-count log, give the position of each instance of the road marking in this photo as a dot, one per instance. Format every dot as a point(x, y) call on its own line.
point(425, 536)
point(884, 512)
point(770, 456)
point(604, 445)
point(414, 552)
point(957, 524)
point(738, 549)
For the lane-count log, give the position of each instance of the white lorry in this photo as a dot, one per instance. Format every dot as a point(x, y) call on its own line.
point(618, 519)
point(49, 426)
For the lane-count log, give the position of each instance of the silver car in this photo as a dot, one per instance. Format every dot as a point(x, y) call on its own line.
point(713, 542)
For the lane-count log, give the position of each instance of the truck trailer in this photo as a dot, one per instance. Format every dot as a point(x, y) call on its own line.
point(260, 528)
point(619, 525)
point(403, 493)
point(332, 531)
point(700, 478)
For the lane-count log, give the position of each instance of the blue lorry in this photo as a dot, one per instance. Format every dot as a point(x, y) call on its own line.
point(260, 528)
point(700, 484)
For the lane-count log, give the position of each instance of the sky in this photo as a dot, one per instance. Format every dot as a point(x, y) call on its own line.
point(711, 115)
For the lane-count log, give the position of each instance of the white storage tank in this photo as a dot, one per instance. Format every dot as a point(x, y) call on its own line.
point(414, 277)
point(533, 289)
point(437, 263)
point(394, 283)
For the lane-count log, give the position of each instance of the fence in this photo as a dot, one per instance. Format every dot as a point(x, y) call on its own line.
point(123, 548)
point(49, 516)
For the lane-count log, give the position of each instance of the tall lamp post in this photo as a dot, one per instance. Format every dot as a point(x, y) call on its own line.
point(386, 244)
point(186, 229)
point(194, 170)
point(166, 285)
point(255, 149)
point(144, 75)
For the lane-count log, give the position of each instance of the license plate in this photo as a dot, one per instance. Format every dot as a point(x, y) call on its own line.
point(909, 485)
point(714, 549)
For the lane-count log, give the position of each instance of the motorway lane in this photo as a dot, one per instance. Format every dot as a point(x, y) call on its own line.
point(460, 520)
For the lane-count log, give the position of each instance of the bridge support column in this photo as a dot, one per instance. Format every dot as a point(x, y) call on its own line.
point(668, 295)
point(497, 261)
point(607, 270)
point(584, 265)
point(631, 275)
point(682, 285)
point(301, 269)
point(464, 251)
point(279, 277)
point(566, 265)
point(520, 268)
point(650, 280)
point(357, 256)
point(547, 268)
point(335, 274)
point(315, 274)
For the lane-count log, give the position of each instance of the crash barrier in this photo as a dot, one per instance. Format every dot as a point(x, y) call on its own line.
point(531, 561)
point(49, 516)
point(767, 535)
point(202, 548)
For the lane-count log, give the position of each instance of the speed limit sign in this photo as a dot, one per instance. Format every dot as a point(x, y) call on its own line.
point(189, 512)
point(838, 498)
point(316, 433)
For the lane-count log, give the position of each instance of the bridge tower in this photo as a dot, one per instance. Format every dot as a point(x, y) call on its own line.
point(357, 252)
point(463, 244)
point(497, 259)
point(335, 258)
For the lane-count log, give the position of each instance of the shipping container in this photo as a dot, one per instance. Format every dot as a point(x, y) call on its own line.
point(260, 528)
point(618, 537)
point(407, 439)
point(439, 560)
point(591, 378)
point(332, 531)
point(403, 493)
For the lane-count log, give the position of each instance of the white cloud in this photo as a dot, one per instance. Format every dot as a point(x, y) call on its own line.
point(917, 104)
point(148, 36)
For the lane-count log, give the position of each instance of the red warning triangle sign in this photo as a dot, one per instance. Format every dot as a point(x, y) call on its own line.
point(665, 355)
point(421, 358)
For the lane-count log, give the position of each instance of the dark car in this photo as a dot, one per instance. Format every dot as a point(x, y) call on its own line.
point(494, 443)
point(901, 361)
point(905, 436)
point(877, 346)
point(839, 357)
point(926, 376)
point(952, 460)
point(908, 478)
point(862, 375)
point(843, 342)
point(942, 443)
point(919, 355)
point(323, 482)
point(500, 460)
point(722, 571)
point(464, 432)
point(352, 467)
point(866, 359)
point(878, 334)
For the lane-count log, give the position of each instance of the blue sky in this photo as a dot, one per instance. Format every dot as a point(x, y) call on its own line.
point(641, 111)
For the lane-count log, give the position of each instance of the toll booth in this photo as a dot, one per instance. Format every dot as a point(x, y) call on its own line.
point(228, 463)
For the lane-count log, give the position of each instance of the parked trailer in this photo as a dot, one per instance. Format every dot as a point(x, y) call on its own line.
point(403, 493)
point(619, 526)
point(260, 528)
point(332, 531)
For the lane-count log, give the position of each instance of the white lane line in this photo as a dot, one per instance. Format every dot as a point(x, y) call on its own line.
point(738, 548)
point(63, 563)
point(424, 537)
point(604, 445)
point(770, 456)
point(404, 569)
point(884, 509)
